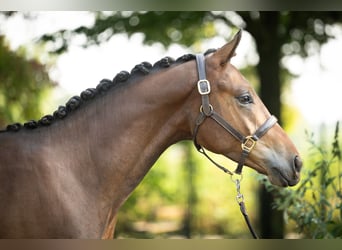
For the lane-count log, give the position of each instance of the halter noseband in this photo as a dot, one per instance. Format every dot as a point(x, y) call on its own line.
point(207, 111)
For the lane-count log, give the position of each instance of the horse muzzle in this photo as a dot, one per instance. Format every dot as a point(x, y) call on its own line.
point(286, 176)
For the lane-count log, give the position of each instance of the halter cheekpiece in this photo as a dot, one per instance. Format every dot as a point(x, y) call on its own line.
point(207, 111)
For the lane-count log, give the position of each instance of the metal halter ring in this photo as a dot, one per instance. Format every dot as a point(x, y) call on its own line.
point(210, 107)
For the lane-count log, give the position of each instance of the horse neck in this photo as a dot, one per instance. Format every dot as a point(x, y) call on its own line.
point(123, 133)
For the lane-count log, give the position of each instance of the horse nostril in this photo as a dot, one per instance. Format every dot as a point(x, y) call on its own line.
point(298, 163)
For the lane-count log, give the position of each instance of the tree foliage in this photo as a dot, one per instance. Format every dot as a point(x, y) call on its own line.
point(315, 206)
point(23, 84)
point(158, 27)
point(295, 31)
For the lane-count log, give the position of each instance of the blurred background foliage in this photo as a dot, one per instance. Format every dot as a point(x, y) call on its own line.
point(24, 83)
point(314, 208)
point(181, 196)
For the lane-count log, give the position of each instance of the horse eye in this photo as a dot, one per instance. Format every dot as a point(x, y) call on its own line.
point(245, 99)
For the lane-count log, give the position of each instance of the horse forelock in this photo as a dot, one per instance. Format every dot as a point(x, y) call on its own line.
point(75, 102)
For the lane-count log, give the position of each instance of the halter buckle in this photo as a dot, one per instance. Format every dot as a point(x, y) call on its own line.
point(203, 87)
point(248, 144)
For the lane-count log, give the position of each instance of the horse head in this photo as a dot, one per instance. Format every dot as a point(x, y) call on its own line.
point(241, 127)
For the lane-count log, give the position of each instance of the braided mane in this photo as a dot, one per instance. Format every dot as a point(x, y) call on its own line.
point(102, 88)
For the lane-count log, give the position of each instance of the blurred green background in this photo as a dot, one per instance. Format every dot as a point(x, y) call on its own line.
point(183, 196)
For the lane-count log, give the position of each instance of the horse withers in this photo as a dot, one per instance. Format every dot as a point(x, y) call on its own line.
point(66, 175)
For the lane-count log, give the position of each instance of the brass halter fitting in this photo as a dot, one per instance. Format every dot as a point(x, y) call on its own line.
point(248, 144)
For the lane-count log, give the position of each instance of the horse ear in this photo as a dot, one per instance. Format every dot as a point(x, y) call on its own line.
point(224, 54)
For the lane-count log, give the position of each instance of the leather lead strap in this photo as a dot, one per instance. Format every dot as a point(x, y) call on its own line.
point(248, 222)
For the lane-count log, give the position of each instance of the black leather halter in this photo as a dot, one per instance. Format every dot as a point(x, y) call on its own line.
point(207, 111)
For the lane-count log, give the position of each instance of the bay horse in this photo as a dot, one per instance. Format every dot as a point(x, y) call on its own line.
point(66, 175)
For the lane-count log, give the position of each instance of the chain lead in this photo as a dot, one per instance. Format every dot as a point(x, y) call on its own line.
point(239, 195)
point(237, 181)
point(241, 201)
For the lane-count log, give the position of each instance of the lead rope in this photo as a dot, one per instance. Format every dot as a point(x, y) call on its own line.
point(241, 201)
point(239, 196)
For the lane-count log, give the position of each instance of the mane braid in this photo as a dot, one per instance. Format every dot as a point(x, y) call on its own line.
point(103, 87)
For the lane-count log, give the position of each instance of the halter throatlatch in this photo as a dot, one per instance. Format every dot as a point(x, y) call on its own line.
point(207, 111)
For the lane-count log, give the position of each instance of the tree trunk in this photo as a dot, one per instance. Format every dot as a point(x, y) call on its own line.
point(268, 41)
point(190, 215)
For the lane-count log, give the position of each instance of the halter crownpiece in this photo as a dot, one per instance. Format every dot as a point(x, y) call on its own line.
point(207, 111)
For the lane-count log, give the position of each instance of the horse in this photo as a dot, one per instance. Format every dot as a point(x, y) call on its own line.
point(67, 174)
